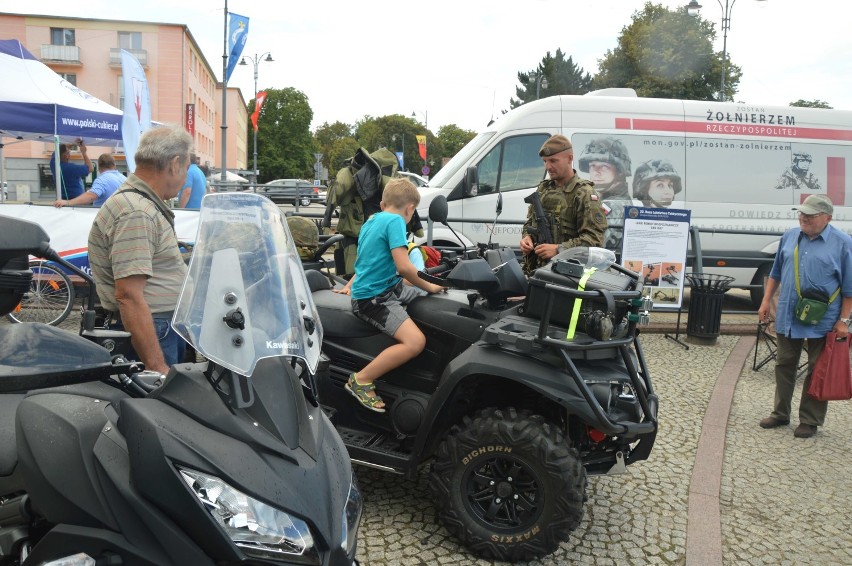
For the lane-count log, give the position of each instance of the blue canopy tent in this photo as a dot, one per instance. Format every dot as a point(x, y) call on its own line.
point(36, 104)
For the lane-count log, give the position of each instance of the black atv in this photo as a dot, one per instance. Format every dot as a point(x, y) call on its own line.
point(513, 414)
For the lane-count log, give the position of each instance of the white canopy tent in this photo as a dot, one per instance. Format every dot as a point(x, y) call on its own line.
point(36, 104)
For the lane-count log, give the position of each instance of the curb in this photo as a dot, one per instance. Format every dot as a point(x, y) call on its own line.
point(704, 518)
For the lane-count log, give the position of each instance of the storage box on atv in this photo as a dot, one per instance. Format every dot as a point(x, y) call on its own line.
point(568, 272)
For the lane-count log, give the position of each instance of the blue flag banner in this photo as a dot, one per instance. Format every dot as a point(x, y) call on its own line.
point(237, 35)
point(137, 106)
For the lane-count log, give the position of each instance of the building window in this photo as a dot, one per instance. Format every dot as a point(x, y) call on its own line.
point(120, 91)
point(130, 40)
point(70, 77)
point(62, 36)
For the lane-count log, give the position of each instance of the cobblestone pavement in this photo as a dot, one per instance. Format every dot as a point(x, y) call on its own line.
point(782, 500)
point(775, 507)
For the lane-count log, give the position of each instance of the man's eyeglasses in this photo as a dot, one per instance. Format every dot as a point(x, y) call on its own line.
point(810, 216)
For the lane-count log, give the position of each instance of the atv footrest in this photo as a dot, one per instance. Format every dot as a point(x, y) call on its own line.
point(372, 441)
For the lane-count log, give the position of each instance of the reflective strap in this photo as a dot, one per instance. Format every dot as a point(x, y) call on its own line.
point(575, 314)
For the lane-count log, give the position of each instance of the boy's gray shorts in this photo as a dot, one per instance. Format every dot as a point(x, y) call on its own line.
point(386, 311)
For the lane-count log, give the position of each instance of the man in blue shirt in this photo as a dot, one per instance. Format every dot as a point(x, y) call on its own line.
point(825, 266)
point(108, 181)
point(195, 187)
point(73, 174)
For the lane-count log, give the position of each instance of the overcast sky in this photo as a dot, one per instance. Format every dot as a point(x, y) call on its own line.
point(457, 60)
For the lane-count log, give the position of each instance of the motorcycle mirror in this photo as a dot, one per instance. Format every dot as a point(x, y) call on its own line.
point(438, 209)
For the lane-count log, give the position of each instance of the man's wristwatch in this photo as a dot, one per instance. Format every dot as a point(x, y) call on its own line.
point(846, 321)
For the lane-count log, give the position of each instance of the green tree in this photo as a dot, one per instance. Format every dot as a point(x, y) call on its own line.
point(563, 77)
point(399, 133)
point(325, 139)
point(453, 139)
point(341, 150)
point(668, 54)
point(811, 104)
point(285, 146)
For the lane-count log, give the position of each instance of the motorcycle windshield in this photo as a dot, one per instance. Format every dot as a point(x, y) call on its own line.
point(245, 297)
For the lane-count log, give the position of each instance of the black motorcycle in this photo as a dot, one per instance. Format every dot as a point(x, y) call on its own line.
point(523, 389)
point(230, 461)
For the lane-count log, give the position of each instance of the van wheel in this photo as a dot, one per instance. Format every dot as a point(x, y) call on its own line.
point(507, 485)
point(760, 276)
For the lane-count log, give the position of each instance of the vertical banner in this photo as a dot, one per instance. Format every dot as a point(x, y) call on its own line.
point(400, 156)
point(421, 143)
point(137, 106)
point(259, 99)
point(655, 241)
point(237, 35)
point(189, 119)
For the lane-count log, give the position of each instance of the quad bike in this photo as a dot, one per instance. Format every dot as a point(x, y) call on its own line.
point(511, 413)
point(231, 461)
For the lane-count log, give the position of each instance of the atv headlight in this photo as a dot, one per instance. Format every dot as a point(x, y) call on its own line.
point(260, 530)
point(351, 516)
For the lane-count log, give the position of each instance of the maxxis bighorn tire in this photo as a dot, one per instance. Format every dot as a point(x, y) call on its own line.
point(507, 485)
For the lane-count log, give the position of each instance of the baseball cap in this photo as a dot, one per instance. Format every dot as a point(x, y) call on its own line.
point(816, 204)
point(553, 145)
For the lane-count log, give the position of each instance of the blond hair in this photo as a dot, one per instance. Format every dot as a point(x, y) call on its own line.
point(399, 193)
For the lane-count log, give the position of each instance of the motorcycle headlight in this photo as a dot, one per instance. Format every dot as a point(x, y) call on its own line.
point(351, 517)
point(258, 529)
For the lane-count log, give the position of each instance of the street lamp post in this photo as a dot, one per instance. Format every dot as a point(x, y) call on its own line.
point(541, 83)
point(256, 61)
point(694, 9)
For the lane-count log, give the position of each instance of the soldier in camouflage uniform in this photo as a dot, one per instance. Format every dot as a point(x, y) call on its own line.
point(571, 204)
point(608, 164)
point(305, 235)
point(798, 176)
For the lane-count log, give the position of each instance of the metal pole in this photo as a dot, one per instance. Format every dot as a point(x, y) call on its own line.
point(726, 25)
point(537, 86)
point(254, 132)
point(225, 98)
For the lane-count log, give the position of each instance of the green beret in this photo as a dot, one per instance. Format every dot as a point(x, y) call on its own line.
point(553, 145)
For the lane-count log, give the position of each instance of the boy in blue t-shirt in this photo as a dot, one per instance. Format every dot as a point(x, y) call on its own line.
point(378, 294)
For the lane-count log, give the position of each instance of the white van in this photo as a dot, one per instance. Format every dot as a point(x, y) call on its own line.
point(735, 160)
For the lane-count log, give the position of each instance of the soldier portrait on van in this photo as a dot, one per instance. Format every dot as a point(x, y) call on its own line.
point(798, 176)
point(607, 162)
point(655, 183)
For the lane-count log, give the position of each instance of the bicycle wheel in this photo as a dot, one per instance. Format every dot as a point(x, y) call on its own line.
point(50, 298)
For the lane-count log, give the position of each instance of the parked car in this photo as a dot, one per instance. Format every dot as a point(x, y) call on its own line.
point(414, 178)
point(288, 191)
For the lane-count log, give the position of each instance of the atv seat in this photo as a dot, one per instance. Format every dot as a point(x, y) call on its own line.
point(316, 280)
point(9, 481)
point(337, 316)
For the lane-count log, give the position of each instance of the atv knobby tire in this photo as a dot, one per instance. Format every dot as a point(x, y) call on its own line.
point(507, 485)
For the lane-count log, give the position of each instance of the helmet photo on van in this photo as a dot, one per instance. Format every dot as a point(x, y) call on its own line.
point(606, 150)
point(656, 182)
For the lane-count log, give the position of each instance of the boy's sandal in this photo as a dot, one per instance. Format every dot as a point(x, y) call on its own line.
point(360, 392)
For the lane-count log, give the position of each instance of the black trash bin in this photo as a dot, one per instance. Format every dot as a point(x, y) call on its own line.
point(707, 291)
